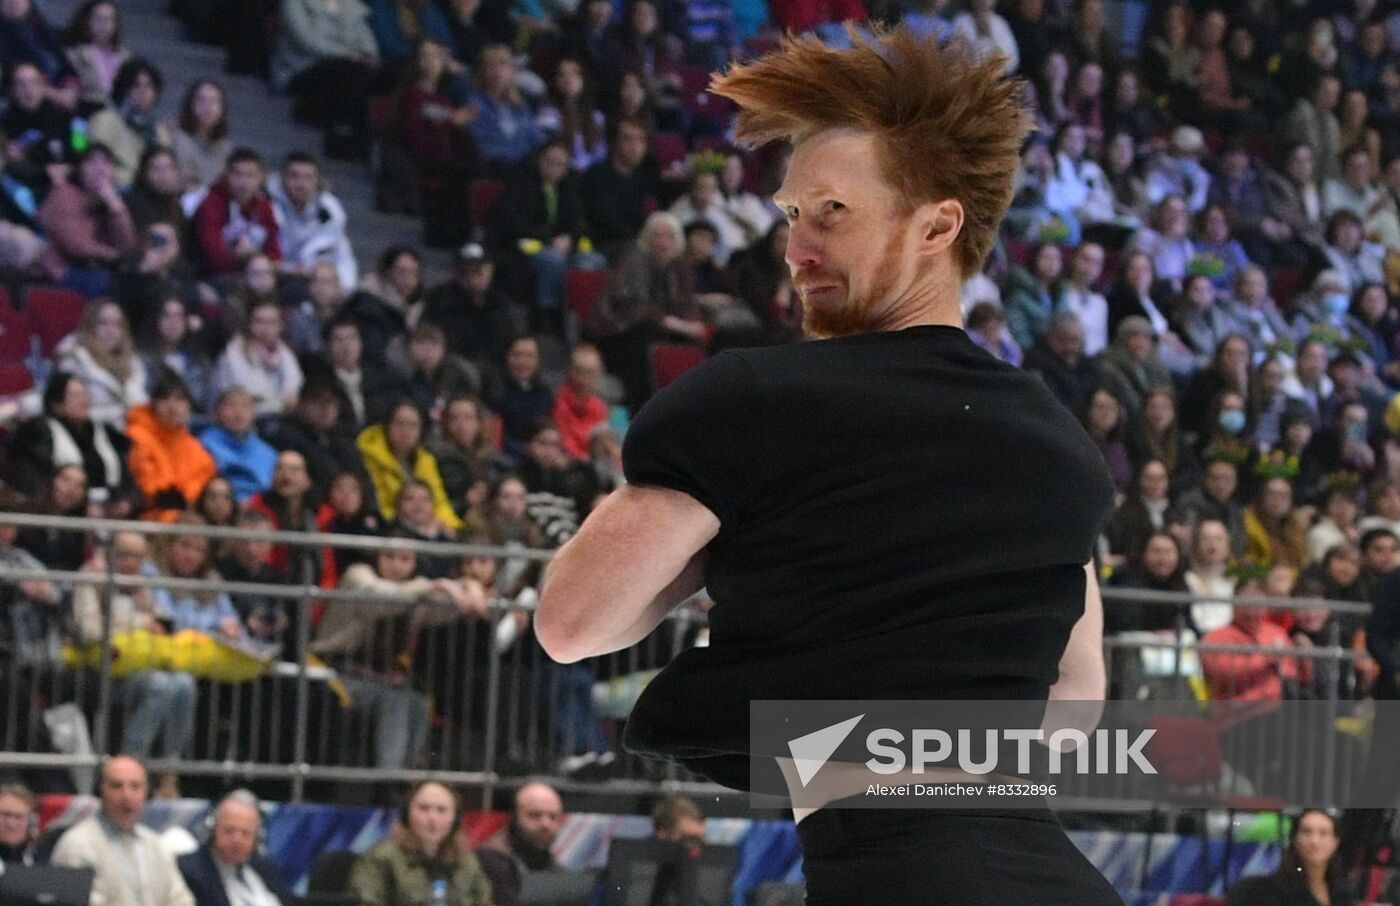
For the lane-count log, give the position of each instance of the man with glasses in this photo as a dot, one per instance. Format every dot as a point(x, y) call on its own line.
point(133, 867)
point(18, 825)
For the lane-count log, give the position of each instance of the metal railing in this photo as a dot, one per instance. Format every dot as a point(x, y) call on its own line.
point(497, 712)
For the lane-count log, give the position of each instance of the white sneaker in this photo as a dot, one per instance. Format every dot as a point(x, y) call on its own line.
point(572, 764)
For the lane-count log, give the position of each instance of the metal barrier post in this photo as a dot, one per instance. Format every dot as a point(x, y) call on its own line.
point(103, 721)
point(493, 706)
point(303, 681)
point(683, 617)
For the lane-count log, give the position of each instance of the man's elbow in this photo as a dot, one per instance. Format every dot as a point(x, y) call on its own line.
point(1088, 682)
point(560, 634)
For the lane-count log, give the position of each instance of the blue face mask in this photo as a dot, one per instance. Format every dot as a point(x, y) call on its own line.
point(1232, 420)
point(1336, 303)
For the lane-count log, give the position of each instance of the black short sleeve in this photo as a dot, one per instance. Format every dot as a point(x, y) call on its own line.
point(699, 436)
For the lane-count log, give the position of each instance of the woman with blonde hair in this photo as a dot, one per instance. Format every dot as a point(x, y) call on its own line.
point(102, 355)
point(192, 557)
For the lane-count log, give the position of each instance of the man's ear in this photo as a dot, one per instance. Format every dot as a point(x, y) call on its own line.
point(939, 224)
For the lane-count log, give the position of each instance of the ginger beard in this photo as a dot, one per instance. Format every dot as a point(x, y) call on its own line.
point(832, 311)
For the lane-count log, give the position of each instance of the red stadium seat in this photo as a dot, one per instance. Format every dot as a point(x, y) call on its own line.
point(14, 378)
point(581, 288)
point(14, 334)
point(54, 312)
point(671, 360)
point(669, 149)
point(484, 195)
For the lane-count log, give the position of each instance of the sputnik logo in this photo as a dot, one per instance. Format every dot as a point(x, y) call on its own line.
point(811, 752)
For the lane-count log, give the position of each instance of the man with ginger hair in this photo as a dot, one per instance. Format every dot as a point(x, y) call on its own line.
point(885, 512)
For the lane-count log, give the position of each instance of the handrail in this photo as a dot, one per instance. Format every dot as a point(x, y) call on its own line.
point(1150, 596)
point(290, 539)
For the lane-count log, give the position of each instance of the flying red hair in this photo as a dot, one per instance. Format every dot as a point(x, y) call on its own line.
point(948, 125)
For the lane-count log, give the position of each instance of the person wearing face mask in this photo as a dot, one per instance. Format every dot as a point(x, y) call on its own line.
point(426, 859)
point(1229, 435)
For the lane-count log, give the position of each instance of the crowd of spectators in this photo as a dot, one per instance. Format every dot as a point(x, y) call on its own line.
point(426, 857)
point(1202, 261)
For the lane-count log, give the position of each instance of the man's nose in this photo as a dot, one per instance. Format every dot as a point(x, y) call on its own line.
point(803, 248)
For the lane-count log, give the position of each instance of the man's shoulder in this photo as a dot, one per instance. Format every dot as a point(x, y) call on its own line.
point(79, 840)
point(200, 861)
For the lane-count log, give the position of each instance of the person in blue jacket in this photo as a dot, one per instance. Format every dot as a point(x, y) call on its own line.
point(243, 457)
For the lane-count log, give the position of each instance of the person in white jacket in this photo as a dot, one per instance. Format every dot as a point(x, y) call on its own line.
point(311, 222)
point(100, 353)
point(261, 363)
point(1078, 187)
point(133, 867)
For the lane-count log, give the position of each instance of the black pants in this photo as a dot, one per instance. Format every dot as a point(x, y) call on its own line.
point(938, 857)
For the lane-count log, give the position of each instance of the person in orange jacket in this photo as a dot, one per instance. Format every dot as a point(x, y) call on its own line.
point(169, 464)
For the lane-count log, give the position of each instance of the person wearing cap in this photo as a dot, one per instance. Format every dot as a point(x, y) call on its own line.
point(1131, 366)
point(1178, 170)
point(1313, 122)
point(478, 316)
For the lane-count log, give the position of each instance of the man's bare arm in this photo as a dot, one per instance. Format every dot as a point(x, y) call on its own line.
point(636, 556)
point(1082, 676)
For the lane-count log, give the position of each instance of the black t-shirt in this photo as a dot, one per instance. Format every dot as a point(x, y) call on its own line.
point(901, 516)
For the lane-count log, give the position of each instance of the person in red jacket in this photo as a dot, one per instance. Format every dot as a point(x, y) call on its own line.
point(1234, 676)
point(236, 221)
point(577, 409)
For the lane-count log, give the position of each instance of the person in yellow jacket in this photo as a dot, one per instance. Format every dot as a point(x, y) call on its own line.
point(392, 451)
point(168, 463)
